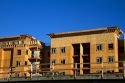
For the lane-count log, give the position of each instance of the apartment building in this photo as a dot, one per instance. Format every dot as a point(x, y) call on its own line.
point(19, 55)
point(86, 50)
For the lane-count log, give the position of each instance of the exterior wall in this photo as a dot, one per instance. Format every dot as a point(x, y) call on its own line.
point(8, 51)
point(22, 58)
point(93, 39)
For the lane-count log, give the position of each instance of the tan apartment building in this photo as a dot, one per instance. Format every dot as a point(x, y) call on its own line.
point(91, 50)
point(17, 54)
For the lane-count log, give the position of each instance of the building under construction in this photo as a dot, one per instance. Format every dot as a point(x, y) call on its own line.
point(19, 55)
point(70, 55)
point(88, 51)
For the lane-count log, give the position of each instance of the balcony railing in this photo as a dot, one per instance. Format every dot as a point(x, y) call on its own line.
point(75, 55)
point(35, 42)
point(82, 55)
point(85, 55)
point(35, 56)
point(18, 43)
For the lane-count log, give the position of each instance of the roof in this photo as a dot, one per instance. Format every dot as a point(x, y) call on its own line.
point(14, 37)
point(85, 32)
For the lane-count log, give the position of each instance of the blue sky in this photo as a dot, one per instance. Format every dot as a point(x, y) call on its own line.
point(40, 17)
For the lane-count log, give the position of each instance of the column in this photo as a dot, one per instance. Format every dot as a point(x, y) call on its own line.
point(81, 59)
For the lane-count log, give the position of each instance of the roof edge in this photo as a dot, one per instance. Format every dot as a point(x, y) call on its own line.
point(52, 35)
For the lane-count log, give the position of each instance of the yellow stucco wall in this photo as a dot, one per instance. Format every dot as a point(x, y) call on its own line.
point(5, 57)
point(93, 39)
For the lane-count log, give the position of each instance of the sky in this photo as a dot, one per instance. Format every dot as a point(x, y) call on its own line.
point(41, 17)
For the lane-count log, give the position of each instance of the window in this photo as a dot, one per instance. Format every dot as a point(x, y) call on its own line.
point(98, 47)
point(63, 50)
point(110, 46)
point(18, 52)
point(17, 74)
point(17, 63)
point(99, 60)
point(53, 61)
point(111, 59)
point(26, 52)
point(63, 61)
point(53, 50)
point(32, 53)
point(25, 62)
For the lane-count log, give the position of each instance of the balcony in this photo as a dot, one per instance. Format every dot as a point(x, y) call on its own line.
point(34, 57)
point(85, 55)
point(12, 44)
point(34, 42)
point(19, 43)
point(35, 67)
point(75, 56)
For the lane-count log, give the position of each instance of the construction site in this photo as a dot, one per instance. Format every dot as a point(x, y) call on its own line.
point(77, 55)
